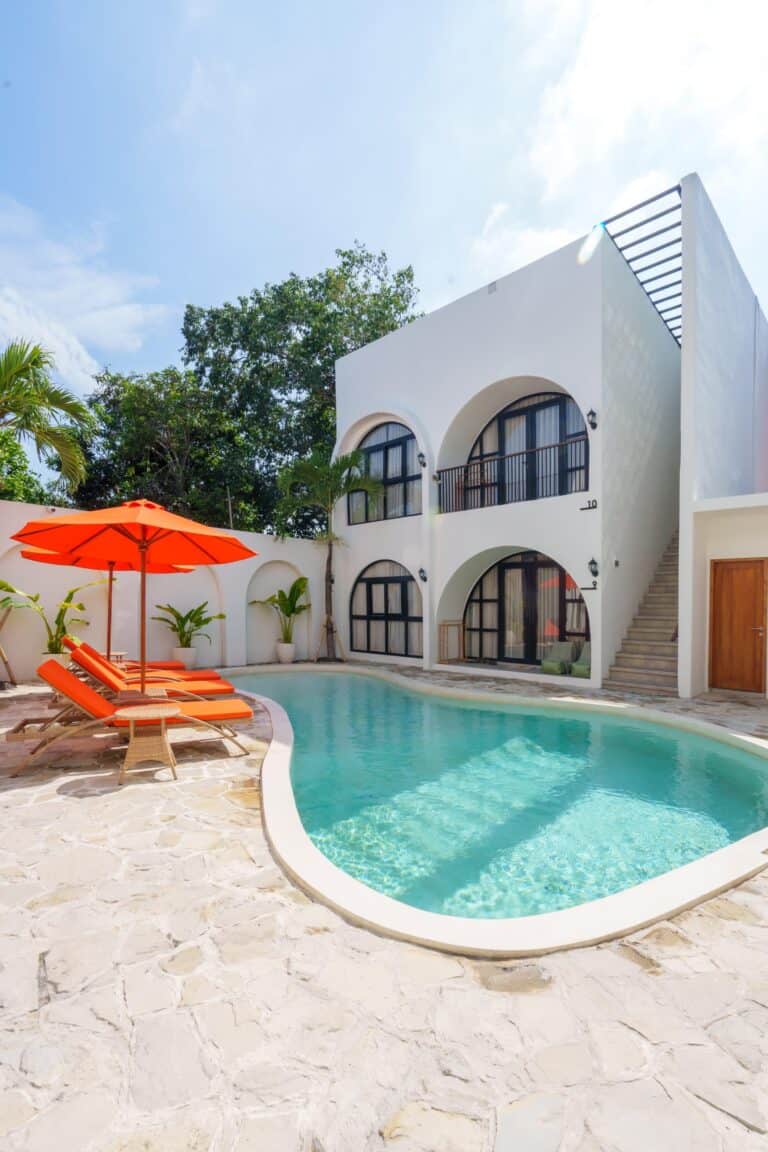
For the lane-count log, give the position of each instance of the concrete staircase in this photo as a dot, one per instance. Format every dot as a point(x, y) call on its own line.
point(647, 660)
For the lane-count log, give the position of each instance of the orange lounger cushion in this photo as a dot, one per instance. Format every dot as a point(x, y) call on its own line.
point(211, 710)
point(110, 678)
point(131, 669)
point(90, 702)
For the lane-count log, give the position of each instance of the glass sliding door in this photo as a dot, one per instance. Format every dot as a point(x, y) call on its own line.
point(514, 615)
point(547, 462)
point(548, 609)
point(515, 428)
point(520, 607)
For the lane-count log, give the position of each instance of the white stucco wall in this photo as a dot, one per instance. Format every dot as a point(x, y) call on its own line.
point(724, 406)
point(246, 635)
point(541, 321)
point(639, 436)
point(724, 366)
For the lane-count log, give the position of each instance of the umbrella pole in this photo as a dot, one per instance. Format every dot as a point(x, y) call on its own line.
point(109, 608)
point(143, 622)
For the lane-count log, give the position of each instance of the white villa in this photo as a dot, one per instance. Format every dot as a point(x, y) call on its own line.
point(542, 440)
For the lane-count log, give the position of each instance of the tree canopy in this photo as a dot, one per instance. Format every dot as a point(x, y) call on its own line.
point(256, 394)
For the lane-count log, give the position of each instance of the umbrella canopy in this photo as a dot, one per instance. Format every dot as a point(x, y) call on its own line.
point(138, 532)
point(96, 564)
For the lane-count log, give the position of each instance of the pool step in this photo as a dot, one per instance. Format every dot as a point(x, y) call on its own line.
point(647, 660)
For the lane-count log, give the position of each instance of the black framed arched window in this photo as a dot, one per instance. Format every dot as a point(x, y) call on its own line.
point(531, 449)
point(385, 611)
point(390, 453)
point(520, 607)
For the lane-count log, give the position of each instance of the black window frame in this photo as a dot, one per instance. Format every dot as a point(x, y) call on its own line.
point(489, 474)
point(400, 580)
point(400, 480)
point(529, 561)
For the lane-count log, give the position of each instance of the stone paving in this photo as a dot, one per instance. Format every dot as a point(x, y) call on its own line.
point(164, 987)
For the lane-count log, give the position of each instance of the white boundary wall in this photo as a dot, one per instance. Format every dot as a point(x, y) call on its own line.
point(246, 636)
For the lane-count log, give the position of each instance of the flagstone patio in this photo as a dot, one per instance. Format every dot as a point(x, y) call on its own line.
point(165, 987)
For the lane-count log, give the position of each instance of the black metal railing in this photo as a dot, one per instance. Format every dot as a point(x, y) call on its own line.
point(554, 470)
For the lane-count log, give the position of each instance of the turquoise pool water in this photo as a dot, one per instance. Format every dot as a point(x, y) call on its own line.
point(484, 811)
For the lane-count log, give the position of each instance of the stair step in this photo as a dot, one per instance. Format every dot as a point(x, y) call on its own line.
point(633, 661)
point(650, 676)
point(639, 689)
point(652, 635)
point(651, 647)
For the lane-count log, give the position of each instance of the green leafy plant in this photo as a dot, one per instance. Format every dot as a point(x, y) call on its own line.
point(57, 629)
point(287, 606)
point(187, 625)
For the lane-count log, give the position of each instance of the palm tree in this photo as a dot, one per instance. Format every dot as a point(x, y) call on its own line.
point(317, 484)
point(33, 407)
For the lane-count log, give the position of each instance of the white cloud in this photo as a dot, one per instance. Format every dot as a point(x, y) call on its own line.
point(641, 72)
point(65, 296)
point(503, 245)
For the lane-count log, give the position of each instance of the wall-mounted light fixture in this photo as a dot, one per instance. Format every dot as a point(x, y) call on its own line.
point(422, 460)
point(594, 567)
point(592, 418)
point(423, 575)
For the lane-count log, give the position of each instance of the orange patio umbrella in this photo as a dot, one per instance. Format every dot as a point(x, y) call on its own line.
point(138, 532)
point(96, 564)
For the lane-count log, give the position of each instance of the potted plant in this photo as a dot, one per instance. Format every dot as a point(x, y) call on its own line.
point(287, 606)
point(186, 626)
point(57, 629)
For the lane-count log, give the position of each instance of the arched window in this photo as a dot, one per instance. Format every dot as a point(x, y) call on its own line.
point(533, 448)
point(520, 607)
point(390, 453)
point(385, 611)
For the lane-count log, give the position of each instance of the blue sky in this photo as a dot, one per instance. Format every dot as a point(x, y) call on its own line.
point(171, 151)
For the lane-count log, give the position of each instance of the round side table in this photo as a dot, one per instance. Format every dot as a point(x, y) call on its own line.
point(148, 741)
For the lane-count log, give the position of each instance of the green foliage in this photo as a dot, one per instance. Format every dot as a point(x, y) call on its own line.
point(270, 360)
point(167, 437)
point(288, 606)
point(17, 480)
point(62, 621)
point(187, 625)
point(33, 407)
point(316, 485)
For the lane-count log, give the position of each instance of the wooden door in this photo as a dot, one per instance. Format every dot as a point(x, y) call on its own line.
point(737, 625)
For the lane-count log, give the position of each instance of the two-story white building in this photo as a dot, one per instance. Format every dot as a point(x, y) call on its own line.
point(529, 439)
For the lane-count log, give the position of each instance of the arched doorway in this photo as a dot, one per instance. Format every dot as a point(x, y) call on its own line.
point(520, 607)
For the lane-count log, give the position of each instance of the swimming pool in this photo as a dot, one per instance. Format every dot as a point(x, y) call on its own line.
point(479, 811)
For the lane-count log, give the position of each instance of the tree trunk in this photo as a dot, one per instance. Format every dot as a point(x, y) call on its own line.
point(330, 637)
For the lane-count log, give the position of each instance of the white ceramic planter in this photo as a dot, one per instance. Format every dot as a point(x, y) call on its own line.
point(60, 658)
point(188, 656)
point(286, 653)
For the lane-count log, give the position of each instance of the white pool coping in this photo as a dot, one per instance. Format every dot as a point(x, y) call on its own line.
point(605, 919)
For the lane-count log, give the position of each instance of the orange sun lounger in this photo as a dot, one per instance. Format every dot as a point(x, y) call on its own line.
point(110, 678)
point(130, 670)
point(214, 715)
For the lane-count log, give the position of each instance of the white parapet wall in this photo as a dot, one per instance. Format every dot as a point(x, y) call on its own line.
point(247, 635)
